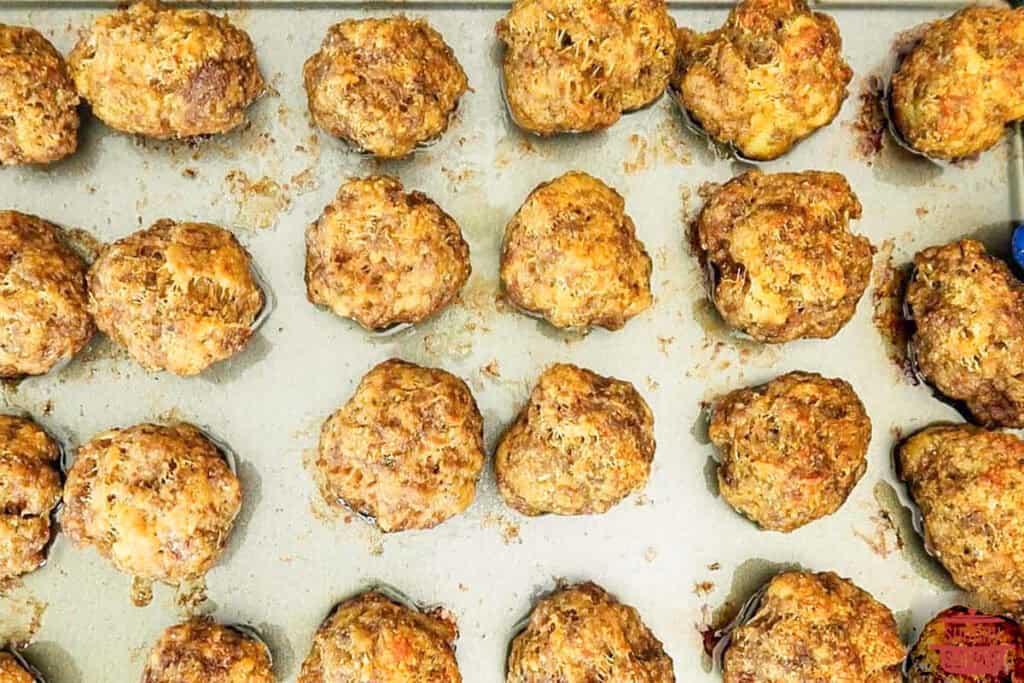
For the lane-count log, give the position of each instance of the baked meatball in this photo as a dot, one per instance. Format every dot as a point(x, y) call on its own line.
point(30, 488)
point(166, 73)
point(373, 638)
point(43, 302)
point(771, 76)
point(969, 486)
point(572, 66)
point(406, 450)
point(383, 256)
point(967, 310)
point(954, 630)
point(157, 501)
point(782, 260)
point(384, 85)
point(791, 450)
point(177, 296)
point(13, 671)
point(38, 102)
point(815, 627)
point(580, 634)
point(571, 256)
point(959, 86)
point(580, 445)
point(203, 651)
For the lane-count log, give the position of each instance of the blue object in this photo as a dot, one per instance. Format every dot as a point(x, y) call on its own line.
point(1017, 246)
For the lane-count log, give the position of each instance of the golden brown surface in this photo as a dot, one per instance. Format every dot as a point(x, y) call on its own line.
point(960, 85)
point(157, 501)
point(166, 73)
point(785, 264)
point(791, 450)
point(371, 638)
point(43, 316)
point(771, 76)
point(571, 255)
point(384, 85)
point(11, 671)
point(202, 651)
point(406, 449)
point(968, 342)
point(815, 628)
point(580, 445)
point(177, 296)
point(581, 634)
point(577, 65)
point(952, 631)
point(969, 486)
point(38, 102)
point(30, 488)
point(383, 256)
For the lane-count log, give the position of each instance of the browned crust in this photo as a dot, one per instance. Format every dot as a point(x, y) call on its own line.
point(580, 445)
point(166, 73)
point(784, 261)
point(11, 670)
point(203, 651)
point(383, 256)
point(385, 85)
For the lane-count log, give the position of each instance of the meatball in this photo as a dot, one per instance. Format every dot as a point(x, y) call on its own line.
point(202, 651)
point(384, 85)
point(969, 486)
point(38, 102)
point(571, 255)
point(574, 66)
point(783, 262)
point(373, 638)
point(815, 627)
point(43, 301)
point(771, 76)
point(30, 488)
point(580, 445)
point(166, 73)
point(580, 634)
point(967, 310)
point(176, 296)
point(958, 629)
point(157, 501)
point(12, 670)
point(962, 83)
point(791, 450)
point(406, 449)
point(383, 256)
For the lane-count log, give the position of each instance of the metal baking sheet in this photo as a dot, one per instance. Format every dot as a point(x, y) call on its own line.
point(676, 552)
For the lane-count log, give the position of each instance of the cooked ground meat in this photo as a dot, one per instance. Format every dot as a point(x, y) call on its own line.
point(203, 651)
point(958, 630)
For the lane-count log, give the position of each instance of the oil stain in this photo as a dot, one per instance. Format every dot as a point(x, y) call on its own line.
point(912, 546)
point(54, 662)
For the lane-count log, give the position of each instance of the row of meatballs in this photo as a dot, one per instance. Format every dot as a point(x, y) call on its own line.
point(770, 76)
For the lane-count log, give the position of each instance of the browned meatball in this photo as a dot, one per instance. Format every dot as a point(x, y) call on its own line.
point(969, 486)
point(815, 627)
point(176, 296)
point(384, 85)
point(571, 255)
point(373, 638)
point(959, 86)
point(581, 634)
point(13, 671)
point(43, 302)
point(38, 102)
point(406, 449)
point(968, 341)
point(958, 630)
point(166, 73)
point(203, 651)
point(383, 256)
point(791, 450)
point(783, 261)
point(157, 501)
point(580, 445)
point(30, 489)
point(573, 66)
point(771, 76)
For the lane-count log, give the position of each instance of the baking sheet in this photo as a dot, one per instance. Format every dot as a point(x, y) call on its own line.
point(676, 552)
